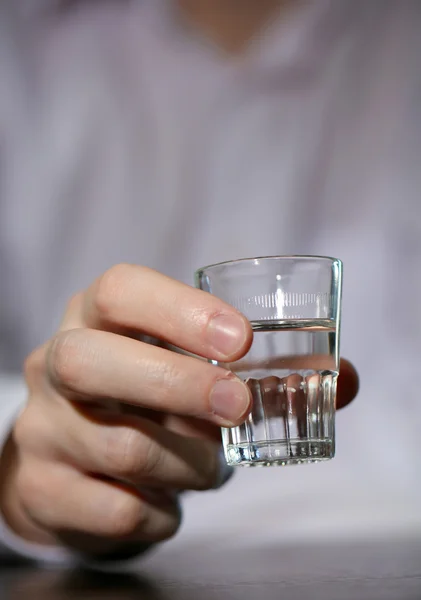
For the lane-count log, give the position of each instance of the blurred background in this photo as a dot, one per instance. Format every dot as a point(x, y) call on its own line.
point(177, 133)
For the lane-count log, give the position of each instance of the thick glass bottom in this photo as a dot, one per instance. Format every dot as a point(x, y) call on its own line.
point(280, 453)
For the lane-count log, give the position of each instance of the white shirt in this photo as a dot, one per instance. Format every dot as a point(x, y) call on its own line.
point(125, 137)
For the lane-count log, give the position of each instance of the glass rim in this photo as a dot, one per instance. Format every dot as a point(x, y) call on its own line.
point(304, 257)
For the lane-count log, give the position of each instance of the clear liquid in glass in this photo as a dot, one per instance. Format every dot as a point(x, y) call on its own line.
point(291, 370)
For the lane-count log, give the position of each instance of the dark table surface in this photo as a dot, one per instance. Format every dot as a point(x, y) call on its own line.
point(371, 570)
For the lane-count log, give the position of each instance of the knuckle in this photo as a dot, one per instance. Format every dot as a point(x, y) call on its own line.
point(168, 528)
point(126, 517)
point(67, 360)
point(123, 453)
point(34, 367)
point(30, 488)
point(132, 456)
point(109, 289)
point(38, 492)
point(74, 304)
point(171, 378)
point(205, 481)
point(172, 526)
point(208, 475)
point(151, 458)
point(25, 486)
point(23, 429)
point(31, 431)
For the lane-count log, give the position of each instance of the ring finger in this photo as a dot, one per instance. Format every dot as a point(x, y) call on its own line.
point(126, 448)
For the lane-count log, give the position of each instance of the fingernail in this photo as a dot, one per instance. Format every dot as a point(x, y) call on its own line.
point(230, 399)
point(226, 334)
point(225, 471)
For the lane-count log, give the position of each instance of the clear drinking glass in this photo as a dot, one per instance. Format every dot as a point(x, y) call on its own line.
point(294, 305)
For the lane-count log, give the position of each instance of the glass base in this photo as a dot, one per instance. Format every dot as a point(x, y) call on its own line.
point(279, 453)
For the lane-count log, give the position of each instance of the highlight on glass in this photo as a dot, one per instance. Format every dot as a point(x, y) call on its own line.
point(294, 305)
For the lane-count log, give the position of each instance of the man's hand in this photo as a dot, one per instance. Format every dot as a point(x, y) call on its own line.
point(115, 425)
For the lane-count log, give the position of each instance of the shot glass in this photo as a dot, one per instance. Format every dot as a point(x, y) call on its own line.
point(293, 304)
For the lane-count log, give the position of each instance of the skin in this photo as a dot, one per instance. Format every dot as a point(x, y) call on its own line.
point(232, 25)
point(113, 425)
point(108, 413)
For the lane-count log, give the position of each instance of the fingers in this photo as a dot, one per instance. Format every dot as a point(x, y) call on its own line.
point(347, 387)
point(348, 381)
point(136, 298)
point(61, 499)
point(125, 448)
point(348, 384)
point(95, 364)
point(98, 365)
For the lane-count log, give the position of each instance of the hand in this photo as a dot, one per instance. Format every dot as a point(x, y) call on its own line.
point(114, 425)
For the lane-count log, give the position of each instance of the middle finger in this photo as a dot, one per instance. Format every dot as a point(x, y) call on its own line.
point(126, 448)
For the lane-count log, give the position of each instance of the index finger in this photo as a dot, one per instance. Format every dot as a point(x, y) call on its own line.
point(137, 298)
